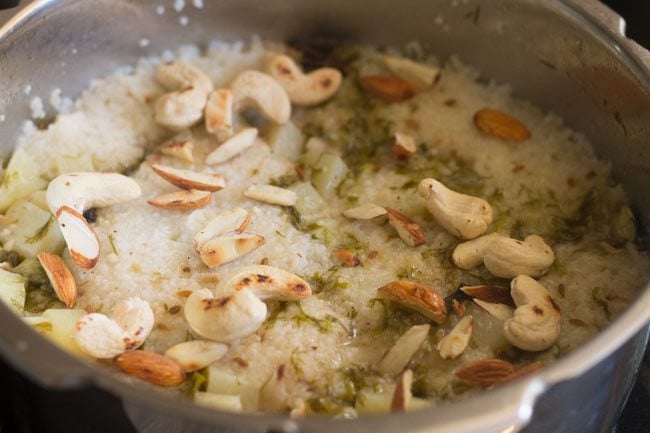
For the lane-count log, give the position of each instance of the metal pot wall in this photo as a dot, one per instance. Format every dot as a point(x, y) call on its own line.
point(569, 56)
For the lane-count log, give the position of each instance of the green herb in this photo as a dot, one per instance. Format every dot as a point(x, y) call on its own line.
point(296, 362)
point(279, 233)
point(197, 381)
point(111, 240)
point(328, 282)
point(41, 232)
point(43, 327)
point(285, 181)
point(324, 324)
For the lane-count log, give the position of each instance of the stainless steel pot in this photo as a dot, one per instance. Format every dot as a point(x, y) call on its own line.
point(570, 56)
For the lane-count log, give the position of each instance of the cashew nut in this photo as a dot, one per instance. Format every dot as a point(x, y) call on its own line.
point(304, 89)
point(253, 89)
point(81, 191)
point(238, 310)
point(219, 114)
point(468, 255)
point(70, 194)
point(126, 327)
point(536, 323)
point(268, 282)
point(183, 107)
point(452, 345)
point(462, 215)
point(507, 258)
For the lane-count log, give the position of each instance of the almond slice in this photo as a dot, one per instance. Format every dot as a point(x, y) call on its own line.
point(80, 237)
point(388, 87)
point(347, 257)
point(403, 395)
point(271, 194)
point(523, 371)
point(490, 293)
point(458, 308)
point(197, 354)
point(182, 200)
point(60, 276)
point(452, 345)
point(402, 145)
point(218, 114)
point(187, 179)
point(485, 372)
point(232, 147)
point(422, 76)
point(180, 146)
point(366, 211)
point(233, 220)
point(501, 125)
point(418, 297)
point(407, 229)
point(397, 357)
point(499, 311)
point(224, 249)
point(151, 367)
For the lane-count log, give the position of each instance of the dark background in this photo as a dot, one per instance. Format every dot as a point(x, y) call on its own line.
point(25, 408)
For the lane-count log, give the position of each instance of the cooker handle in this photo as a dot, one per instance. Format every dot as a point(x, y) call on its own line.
point(612, 21)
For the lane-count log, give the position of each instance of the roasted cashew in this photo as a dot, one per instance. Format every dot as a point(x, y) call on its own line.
point(190, 86)
point(238, 310)
point(70, 194)
point(507, 258)
point(304, 89)
point(462, 215)
point(126, 327)
point(254, 89)
point(536, 323)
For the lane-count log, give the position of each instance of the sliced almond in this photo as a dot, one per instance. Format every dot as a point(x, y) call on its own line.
point(60, 276)
point(197, 354)
point(232, 147)
point(407, 229)
point(499, 311)
point(490, 293)
point(523, 371)
point(366, 211)
point(179, 146)
point(187, 179)
point(218, 114)
point(271, 194)
point(151, 367)
point(485, 372)
point(402, 145)
point(501, 125)
point(224, 249)
point(397, 357)
point(80, 237)
point(347, 257)
point(418, 297)
point(403, 395)
point(422, 76)
point(452, 345)
point(388, 87)
point(458, 308)
point(233, 220)
point(184, 200)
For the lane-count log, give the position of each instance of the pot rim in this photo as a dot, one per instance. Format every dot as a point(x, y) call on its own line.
point(495, 407)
